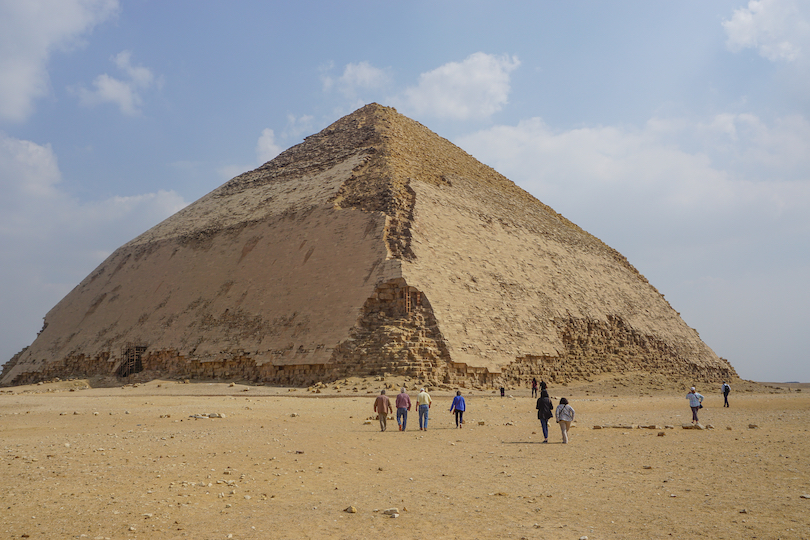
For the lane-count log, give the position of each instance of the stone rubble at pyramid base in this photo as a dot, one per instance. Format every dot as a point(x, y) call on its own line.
point(410, 346)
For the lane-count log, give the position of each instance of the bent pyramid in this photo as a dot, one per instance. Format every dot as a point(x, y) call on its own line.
point(373, 247)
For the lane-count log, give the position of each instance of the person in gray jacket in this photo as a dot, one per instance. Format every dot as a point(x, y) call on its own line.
point(564, 415)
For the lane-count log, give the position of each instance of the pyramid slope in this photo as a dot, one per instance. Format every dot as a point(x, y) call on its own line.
point(374, 246)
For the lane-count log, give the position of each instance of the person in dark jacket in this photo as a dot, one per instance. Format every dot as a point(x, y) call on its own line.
point(544, 408)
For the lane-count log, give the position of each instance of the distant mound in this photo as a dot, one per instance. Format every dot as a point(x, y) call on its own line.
point(373, 247)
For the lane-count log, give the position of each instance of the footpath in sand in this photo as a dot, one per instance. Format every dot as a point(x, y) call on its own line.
point(131, 462)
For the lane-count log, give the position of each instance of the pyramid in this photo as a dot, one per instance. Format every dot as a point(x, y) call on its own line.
point(374, 247)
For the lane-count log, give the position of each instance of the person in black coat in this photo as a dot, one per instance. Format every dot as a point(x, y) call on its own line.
point(544, 408)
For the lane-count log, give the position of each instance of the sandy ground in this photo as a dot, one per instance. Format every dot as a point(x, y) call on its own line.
point(129, 462)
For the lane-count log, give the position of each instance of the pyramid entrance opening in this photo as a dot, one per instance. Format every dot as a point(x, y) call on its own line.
point(131, 359)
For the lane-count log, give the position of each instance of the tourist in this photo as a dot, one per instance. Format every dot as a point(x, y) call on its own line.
point(503, 391)
point(543, 385)
point(534, 387)
point(458, 406)
point(544, 408)
point(423, 401)
point(382, 406)
point(564, 415)
point(403, 406)
point(725, 389)
point(696, 402)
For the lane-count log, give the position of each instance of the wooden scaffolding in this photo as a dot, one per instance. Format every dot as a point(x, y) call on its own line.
point(131, 359)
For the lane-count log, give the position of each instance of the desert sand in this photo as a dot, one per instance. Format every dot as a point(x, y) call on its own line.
point(85, 460)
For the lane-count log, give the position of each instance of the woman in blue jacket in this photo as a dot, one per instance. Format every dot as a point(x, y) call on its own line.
point(458, 407)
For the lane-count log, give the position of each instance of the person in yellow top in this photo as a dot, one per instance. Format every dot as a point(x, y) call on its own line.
point(423, 401)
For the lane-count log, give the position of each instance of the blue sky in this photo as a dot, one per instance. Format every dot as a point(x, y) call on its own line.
point(678, 133)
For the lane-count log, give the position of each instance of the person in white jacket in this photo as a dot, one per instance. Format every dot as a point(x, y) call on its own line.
point(696, 402)
point(564, 415)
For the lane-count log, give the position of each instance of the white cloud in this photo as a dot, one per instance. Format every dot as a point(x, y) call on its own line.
point(589, 164)
point(356, 78)
point(139, 75)
point(477, 87)
point(297, 126)
point(26, 169)
point(124, 93)
point(33, 202)
point(326, 79)
point(49, 240)
point(608, 179)
point(474, 88)
point(778, 29)
point(29, 33)
point(227, 172)
point(111, 90)
point(752, 148)
point(266, 147)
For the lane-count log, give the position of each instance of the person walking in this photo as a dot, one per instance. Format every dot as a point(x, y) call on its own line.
point(564, 415)
point(534, 387)
point(543, 385)
point(725, 388)
point(423, 401)
point(544, 408)
point(403, 406)
point(382, 406)
point(695, 402)
point(458, 406)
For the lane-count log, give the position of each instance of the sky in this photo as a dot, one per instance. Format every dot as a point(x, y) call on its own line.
point(676, 132)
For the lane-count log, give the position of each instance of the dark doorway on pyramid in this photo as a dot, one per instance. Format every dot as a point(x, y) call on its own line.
point(131, 355)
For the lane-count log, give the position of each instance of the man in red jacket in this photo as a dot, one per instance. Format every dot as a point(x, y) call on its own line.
point(403, 406)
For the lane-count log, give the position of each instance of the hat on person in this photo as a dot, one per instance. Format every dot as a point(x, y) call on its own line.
point(693, 388)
